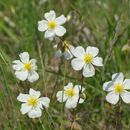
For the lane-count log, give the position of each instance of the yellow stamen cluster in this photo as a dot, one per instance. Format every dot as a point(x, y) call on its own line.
point(88, 58)
point(70, 92)
point(32, 101)
point(52, 24)
point(119, 88)
point(27, 66)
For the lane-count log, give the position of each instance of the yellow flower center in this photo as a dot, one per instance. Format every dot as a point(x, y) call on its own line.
point(32, 101)
point(88, 58)
point(70, 92)
point(27, 66)
point(52, 24)
point(119, 88)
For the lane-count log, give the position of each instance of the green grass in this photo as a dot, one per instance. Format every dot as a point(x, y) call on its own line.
point(19, 33)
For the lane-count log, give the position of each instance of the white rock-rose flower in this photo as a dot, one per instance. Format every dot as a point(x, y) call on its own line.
point(86, 60)
point(117, 88)
point(32, 103)
point(52, 25)
point(25, 68)
point(71, 95)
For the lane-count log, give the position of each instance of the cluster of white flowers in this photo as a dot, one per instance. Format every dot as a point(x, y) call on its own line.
point(82, 59)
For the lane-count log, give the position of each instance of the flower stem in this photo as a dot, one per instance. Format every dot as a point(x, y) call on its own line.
point(118, 117)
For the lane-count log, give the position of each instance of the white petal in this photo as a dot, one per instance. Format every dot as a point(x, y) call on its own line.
point(67, 55)
point(24, 57)
point(25, 108)
point(22, 97)
point(92, 50)
point(112, 97)
point(79, 52)
point(60, 20)
point(50, 15)
point(35, 113)
point(126, 96)
point(21, 75)
point(58, 54)
point(118, 77)
point(61, 96)
point(126, 84)
point(34, 93)
point(69, 85)
point(42, 25)
point(60, 31)
point(97, 61)
point(108, 86)
point(79, 88)
point(33, 76)
point(81, 100)
point(88, 70)
point(70, 103)
point(49, 34)
point(33, 64)
point(44, 101)
point(77, 64)
point(17, 65)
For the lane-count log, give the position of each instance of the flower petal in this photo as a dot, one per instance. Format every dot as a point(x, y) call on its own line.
point(44, 101)
point(70, 103)
point(23, 97)
point(118, 77)
point(81, 100)
point(60, 31)
point(92, 50)
point(58, 54)
point(35, 113)
point(112, 97)
point(60, 20)
point(97, 61)
point(49, 34)
point(25, 108)
point(79, 52)
point(50, 15)
point(77, 64)
point(108, 86)
point(33, 64)
point(126, 84)
point(33, 76)
point(126, 96)
point(69, 85)
point(67, 55)
point(34, 93)
point(21, 75)
point(61, 96)
point(24, 57)
point(88, 70)
point(17, 65)
point(78, 89)
point(42, 25)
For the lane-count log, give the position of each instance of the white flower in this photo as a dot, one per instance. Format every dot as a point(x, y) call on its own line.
point(25, 68)
point(117, 88)
point(32, 104)
point(86, 60)
point(67, 51)
point(71, 95)
point(52, 25)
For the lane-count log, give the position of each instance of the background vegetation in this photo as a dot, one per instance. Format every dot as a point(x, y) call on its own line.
point(101, 23)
